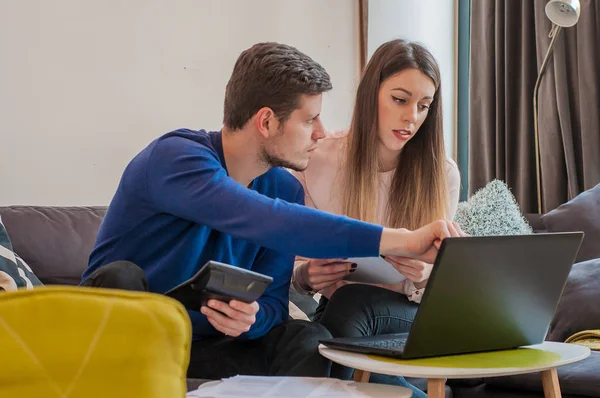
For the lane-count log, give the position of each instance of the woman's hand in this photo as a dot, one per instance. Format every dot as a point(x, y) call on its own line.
point(416, 271)
point(320, 274)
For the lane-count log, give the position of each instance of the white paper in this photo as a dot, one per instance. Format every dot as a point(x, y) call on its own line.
point(289, 387)
point(374, 270)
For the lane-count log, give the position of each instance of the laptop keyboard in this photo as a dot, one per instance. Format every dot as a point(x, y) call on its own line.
point(389, 344)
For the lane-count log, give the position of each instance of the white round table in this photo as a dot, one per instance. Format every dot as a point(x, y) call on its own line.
point(544, 358)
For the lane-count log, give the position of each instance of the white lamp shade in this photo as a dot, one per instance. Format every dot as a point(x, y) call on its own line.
point(564, 13)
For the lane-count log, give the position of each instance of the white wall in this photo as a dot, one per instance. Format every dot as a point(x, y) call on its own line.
point(85, 85)
point(431, 23)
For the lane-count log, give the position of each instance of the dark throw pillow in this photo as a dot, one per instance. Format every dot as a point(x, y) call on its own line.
point(578, 308)
point(582, 213)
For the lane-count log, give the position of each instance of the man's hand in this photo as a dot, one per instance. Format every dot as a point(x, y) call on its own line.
point(421, 244)
point(320, 274)
point(231, 319)
point(426, 241)
point(414, 270)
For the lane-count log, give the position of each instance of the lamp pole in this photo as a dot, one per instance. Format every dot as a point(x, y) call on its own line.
point(562, 14)
point(553, 35)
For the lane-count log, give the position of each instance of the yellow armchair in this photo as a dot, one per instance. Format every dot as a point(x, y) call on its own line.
point(73, 342)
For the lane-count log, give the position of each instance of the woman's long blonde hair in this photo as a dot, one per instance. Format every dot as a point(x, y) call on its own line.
point(418, 192)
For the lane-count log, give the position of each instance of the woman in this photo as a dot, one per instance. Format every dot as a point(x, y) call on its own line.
point(389, 168)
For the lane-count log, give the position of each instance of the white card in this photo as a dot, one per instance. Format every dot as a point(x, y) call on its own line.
point(374, 270)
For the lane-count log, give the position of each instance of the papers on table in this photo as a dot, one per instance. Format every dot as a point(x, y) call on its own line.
point(289, 387)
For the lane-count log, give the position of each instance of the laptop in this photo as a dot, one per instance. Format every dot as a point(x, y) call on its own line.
point(484, 294)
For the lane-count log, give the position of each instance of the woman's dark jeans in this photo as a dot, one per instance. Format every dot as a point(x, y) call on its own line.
point(358, 310)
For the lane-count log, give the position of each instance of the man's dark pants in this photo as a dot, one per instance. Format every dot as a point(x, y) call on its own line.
point(289, 349)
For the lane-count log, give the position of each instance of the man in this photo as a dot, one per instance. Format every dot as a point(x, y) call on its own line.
point(194, 196)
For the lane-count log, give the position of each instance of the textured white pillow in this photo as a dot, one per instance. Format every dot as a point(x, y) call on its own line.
point(492, 210)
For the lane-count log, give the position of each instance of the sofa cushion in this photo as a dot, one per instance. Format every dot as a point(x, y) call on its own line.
point(55, 241)
point(488, 391)
point(535, 220)
point(580, 378)
point(579, 214)
point(578, 308)
point(492, 210)
point(302, 306)
point(14, 272)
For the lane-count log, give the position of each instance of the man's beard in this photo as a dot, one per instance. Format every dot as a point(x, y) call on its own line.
point(275, 161)
point(271, 160)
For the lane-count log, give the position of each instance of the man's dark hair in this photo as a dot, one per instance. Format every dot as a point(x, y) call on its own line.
point(271, 75)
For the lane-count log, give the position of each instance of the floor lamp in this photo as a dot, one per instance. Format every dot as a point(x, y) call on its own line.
point(563, 14)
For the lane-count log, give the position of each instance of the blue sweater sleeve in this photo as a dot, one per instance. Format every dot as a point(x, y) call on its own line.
point(201, 327)
point(186, 179)
point(273, 303)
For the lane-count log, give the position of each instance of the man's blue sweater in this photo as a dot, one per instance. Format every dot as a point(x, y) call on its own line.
point(176, 208)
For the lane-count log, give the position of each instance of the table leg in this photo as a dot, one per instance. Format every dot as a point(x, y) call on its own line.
point(550, 383)
point(361, 376)
point(436, 388)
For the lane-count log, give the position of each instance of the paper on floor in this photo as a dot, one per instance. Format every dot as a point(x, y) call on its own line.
point(289, 387)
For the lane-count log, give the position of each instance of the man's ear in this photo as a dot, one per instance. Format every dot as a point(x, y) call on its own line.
point(266, 122)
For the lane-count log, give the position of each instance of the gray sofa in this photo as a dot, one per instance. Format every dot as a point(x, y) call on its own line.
point(56, 242)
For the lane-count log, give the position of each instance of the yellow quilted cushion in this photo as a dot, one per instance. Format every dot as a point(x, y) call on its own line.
point(72, 342)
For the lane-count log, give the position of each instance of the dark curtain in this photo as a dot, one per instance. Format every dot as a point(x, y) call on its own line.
point(509, 39)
